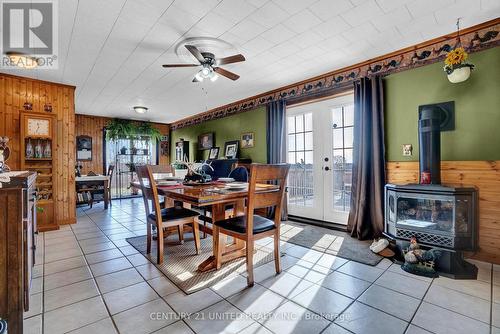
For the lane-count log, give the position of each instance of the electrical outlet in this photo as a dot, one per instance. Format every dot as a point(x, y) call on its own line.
point(407, 150)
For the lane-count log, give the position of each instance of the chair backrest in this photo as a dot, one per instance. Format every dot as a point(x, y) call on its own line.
point(111, 170)
point(149, 190)
point(239, 174)
point(273, 176)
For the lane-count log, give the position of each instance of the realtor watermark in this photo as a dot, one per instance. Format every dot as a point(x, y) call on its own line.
point(260, 317)
point(29, 34)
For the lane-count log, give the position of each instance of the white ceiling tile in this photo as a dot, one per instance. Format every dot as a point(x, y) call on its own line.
point(311, 52)
point(302, 21)
point(214, 24)
point(258, 3)
point(362, 13)
point(332, 27)
point(293, 7)
point(397, 16)
point(326, 9)
point(307, 39)
point(278, 34)
point(113, 50)
point(258, 45)
point(234, 10)
point(362, 31)
point(423, 7)
point(490, 5)
point(285, 49)
point(198, 8)
point(416, 25)
point(450, 14)
point(269, 15)
point(335, 42)
point(247, 29)
point(389, 5)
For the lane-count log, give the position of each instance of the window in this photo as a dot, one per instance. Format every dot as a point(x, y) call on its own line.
point(300, 156)
point(343, 134)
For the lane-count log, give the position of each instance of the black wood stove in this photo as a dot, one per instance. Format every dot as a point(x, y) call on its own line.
point(438, 216)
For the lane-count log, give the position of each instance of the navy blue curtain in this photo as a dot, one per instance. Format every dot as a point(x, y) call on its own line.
point(366, 217)
point(276, 132)
point(276, 140)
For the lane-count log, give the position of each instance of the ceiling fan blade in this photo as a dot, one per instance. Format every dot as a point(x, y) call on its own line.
point(226, 73)
point(229, 60)
point(180, 65)
point(195, 80)
point(196, 53)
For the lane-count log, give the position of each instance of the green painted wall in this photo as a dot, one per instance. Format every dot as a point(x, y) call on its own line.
point(477, 109)
point(227, 129)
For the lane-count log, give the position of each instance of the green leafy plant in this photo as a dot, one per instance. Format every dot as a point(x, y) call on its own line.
point(147, 129)
point(119, 129)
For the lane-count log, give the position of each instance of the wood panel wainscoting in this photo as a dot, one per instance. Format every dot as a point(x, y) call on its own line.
point(485, 175)
point(45, 98)
point(93, 126)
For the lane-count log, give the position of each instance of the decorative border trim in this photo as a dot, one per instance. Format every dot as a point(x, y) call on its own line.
point(473, 39)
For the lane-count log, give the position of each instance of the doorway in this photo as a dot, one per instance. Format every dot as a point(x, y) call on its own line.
point(320, 151)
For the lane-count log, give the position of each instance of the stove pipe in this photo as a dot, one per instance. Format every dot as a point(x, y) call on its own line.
point(429, 139)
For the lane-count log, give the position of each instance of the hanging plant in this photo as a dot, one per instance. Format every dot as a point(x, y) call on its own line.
point(119, 129)
point(147, 129)
point(455, 64)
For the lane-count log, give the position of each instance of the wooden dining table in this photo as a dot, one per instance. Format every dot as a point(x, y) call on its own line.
point(215, 195)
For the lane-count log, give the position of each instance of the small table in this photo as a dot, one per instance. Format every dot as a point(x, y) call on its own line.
point(96, 179)
point(204, 195)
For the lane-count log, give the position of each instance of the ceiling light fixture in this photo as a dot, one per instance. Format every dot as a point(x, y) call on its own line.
point(22, 61)
point(140, 110)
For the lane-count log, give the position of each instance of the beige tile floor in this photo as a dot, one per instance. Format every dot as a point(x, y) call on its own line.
point(89, 280)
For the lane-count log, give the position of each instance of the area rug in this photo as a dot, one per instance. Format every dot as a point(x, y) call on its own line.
point(329, 241)
point(180, 262)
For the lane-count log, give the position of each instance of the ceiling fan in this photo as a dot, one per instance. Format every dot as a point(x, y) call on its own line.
point(209, 63)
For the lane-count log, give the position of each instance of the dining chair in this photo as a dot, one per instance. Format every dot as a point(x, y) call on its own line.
point(239, 174)
point(163, 218)
point(251, 227)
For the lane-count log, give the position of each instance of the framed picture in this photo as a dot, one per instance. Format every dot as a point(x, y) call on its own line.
point(182, 150)
point(84, 148)
point(206, 141)
point(247, 140)
point(214, 153)
point(231, 149)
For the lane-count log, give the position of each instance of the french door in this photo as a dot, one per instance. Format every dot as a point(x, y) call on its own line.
point(319, 150)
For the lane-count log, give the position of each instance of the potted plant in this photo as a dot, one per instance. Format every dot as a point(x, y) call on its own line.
point(456, 67)
point(119, 129)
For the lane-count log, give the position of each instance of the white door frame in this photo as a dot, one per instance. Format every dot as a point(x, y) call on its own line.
point(322, 207)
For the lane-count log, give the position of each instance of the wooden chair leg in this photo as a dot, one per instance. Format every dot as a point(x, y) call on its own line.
point(159, 242)
point(196, 233)
point(249, 249)
point(217, 246)
point(180, 230)
point(149, 237)
point(277, 255)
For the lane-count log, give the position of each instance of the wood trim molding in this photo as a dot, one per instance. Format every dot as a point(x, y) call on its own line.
point(480, 37)
point(37, 80)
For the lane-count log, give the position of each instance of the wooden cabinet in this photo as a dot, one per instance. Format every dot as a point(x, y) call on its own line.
point(17, 245)
point(37, 154)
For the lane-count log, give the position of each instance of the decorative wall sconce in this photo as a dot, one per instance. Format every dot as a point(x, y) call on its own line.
point(47, 107)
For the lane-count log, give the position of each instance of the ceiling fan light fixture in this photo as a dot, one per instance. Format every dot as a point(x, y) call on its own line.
point(199, 76)
point(214, 77)
point(140, 109)
point(206, 71)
